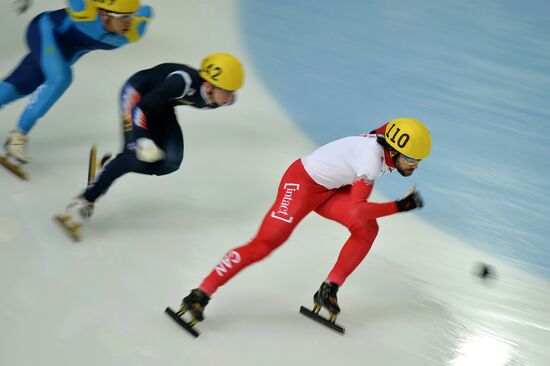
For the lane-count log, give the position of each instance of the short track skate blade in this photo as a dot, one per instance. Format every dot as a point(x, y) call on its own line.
point(181, 322)
point(92, 164)
point(13, 167)
point(72, 232)
point(318, 318)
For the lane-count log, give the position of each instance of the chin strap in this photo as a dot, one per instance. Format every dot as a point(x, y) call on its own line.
point(390, 160)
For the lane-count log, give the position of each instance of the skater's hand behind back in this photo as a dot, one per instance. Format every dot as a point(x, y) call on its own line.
point(147, 151)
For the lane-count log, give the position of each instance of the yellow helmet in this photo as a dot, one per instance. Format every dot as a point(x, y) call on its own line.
point(118, 6)
point(409, 137)
point(223, 71)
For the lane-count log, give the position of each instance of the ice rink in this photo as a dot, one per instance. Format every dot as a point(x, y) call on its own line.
point(415, 300)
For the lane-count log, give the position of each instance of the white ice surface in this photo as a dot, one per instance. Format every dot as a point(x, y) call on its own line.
point(413, 301)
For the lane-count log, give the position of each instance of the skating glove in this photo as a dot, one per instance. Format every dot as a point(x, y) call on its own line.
point(147, 151)
point(412, 200)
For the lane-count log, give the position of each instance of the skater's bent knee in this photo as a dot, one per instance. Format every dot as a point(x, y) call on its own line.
point(365, 228)
point(59, 82)
point(167, 167)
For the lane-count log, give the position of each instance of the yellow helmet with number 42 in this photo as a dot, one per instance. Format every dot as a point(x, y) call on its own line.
point(222, 70)
point(409, 137)
point(118, 6)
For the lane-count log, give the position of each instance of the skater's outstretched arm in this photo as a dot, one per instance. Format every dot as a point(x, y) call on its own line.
point(362, 208)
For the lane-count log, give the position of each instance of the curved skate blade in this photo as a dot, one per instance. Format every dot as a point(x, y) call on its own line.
point(92, 164)
point(187, 326)
point(320, 319)
point(71, 230)
point(13, 167)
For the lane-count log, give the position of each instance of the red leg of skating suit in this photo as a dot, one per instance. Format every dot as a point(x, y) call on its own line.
point(297, 196)
point(363, 232)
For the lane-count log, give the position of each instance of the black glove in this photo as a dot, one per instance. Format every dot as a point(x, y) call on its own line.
point(410, 202)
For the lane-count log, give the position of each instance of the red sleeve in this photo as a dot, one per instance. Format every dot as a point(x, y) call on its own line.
point(361, 208)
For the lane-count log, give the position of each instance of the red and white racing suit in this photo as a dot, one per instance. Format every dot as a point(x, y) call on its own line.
point(334, 181)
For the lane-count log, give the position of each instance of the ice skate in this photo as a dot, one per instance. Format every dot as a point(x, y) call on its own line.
point(194, 303)
point(75, 216)
point(326, 298)
point(79, 211)
point(93, 166)
point(16, 154)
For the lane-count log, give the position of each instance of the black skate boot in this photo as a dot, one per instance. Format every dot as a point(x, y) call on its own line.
point(104, 160)
point(195, 303)
point(325, 297)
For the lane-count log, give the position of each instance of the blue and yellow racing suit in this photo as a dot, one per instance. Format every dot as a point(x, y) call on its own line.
point(56, 40)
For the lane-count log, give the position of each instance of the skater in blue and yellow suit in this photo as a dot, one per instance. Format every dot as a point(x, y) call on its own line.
point(56, 40)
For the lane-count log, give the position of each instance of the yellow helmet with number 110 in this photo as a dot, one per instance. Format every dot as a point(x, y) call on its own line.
point(409, 137)
point(222, 70)
point(118, 6)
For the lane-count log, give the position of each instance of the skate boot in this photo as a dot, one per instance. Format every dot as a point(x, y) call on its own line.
point(16, 146)
point(16, 153)
point(76, 214)
point(195, 303)
point(326, 297)
point(95, 167)
point(105, 160)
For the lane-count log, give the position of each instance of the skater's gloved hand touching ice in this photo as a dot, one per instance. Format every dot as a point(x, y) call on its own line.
point(147, 151)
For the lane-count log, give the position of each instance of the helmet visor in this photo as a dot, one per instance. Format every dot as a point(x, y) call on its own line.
point(410, 161)
point(121, 16)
